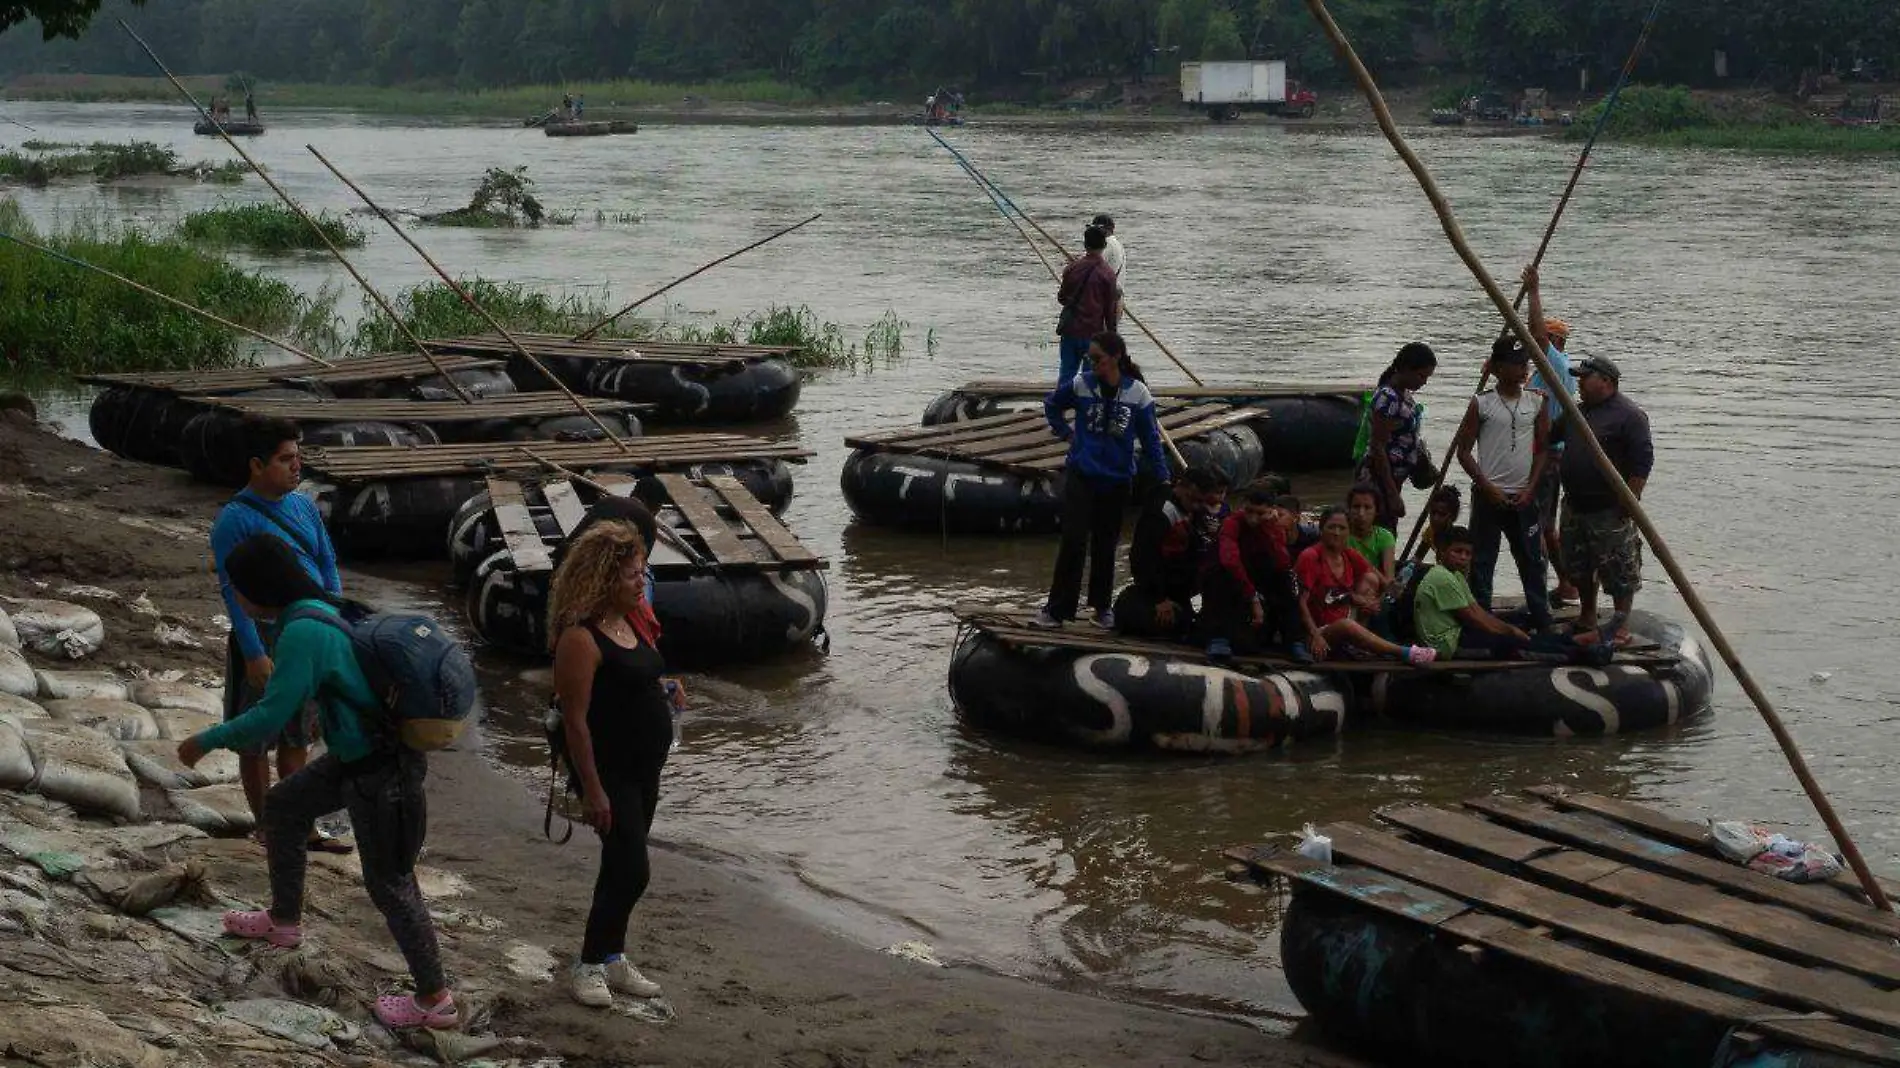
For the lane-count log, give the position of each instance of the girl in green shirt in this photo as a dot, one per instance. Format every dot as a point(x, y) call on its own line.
point(1372, 541)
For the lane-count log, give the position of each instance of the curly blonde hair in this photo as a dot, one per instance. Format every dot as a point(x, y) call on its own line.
point(584, 583)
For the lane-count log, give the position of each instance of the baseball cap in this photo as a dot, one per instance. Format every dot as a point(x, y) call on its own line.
point(1597, 365)
point(1507, 349)
point(1104, 221)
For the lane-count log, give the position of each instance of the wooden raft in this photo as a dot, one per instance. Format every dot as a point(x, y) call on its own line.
point(1014, 630)
point(382, 462)
point(699, 354)
point(334, 410)
point(389, 366)
point(1020, 442)
point(718, 517)
point(1620, 895)
point(1241, 392)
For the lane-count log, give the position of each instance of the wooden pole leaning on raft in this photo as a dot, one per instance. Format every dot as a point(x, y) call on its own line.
point(997, 192)
point(588, 333)
point(174, 301)
point(667, 533)
point(1543, 246)
point(469, 300)
point(1580, 428)
point(304, 215)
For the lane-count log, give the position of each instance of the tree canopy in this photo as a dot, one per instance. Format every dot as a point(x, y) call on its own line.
point(57, 18)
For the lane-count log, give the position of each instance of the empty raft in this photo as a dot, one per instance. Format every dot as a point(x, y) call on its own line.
point(731, 584)
point(1302, 426)
point(1572, 930)
point(1001, 474)
point(399, 501)
point(1084, 686)
point(684, 382)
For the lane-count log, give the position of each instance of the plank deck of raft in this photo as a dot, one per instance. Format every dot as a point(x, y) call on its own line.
point(1014, 630)
point(1020, 442)
point(334, 410)
point(1619, 895)
point(699, 354)
point(735, 531)
point(1240, 391)
point(382, 462)
point(355, 370)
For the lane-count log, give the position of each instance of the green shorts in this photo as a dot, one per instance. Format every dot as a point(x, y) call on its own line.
point(1604, 543)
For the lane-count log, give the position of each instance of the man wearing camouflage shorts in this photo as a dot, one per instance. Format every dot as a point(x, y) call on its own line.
point(1600, 541)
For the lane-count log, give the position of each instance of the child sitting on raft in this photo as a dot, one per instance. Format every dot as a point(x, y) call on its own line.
point(1330, 576)
point(1450, 621)
point(1248, 599)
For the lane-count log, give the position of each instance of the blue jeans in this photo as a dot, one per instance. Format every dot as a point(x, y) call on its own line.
point(1074, 351)
point(1524, 533)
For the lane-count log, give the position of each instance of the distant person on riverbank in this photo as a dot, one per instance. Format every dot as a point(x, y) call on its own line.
point(270, 505)
point(1164, 560)
point(1502, 446)
point(1601, 541)
point(1248, 598)
point(617, 717)
point(1088, 298)
point(1335, 594)
point(363, 770)
point(1394, 442)
point(1554, 335)
point(1113, 411)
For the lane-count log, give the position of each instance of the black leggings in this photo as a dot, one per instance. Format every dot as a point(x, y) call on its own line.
point(624, 867)
point(1091, 526)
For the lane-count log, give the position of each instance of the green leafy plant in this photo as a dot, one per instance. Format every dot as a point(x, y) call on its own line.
point(504, 197)
point(265, 228)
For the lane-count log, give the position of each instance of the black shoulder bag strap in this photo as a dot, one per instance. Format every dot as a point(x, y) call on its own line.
point(278, 522)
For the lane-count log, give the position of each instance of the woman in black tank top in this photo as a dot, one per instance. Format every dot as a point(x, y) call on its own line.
point(618, 717)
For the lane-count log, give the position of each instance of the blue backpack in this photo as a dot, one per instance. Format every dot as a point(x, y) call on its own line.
point(423, 678)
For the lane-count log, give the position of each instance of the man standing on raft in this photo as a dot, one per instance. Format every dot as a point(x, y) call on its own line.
point(1600, 540)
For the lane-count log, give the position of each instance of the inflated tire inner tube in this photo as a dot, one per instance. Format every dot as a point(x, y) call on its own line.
point(211, 445)
point(929, 493)
point(566, 426)
point(1234, 451)
point(957, 406)
point(687, 393)
point(1127, 700)
point(706, 618)
point(1559, 701)
point(1307, 433)
point(147, 425)
point(405, 518)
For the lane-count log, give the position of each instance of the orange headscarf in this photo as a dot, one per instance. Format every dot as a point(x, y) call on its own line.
point(1557, 327)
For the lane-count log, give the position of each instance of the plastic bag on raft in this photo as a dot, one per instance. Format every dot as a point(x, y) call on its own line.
point(1315, 846)
point(1772, 853)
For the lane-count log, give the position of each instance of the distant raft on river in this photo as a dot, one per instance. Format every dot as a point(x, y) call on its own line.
point(599, 128)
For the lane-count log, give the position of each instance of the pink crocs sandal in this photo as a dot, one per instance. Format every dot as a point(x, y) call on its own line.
point(258, 924)
point(400, 1012)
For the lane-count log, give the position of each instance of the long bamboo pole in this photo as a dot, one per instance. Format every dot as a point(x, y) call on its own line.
point(1550, 231)
point(1582, 434)
point(689, 276)
point(173, 301)
point(381, 302)
point(667, 533)
point(997, 191)
point(469, 299)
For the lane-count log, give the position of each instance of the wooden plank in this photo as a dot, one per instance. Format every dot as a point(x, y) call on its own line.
point(566, 506)
point(398, 461)
point(1610, 839)
point(784, 545)
point(1368, 886)
point(1664, 944)
point(912, 435)
point(517, 526)
point(720, 541)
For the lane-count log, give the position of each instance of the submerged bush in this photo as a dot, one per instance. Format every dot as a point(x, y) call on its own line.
point(503, 198)
point(48, 161)
point(1648, 109)
point(265, 228)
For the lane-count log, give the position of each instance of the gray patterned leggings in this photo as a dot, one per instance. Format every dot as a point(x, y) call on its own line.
point(388, 810)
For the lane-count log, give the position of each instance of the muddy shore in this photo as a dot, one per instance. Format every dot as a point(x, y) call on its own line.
point(749, 978)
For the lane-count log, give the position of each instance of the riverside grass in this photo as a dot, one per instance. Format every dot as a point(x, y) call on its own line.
point(40, 163)
point(61, 318)
point(265, 228)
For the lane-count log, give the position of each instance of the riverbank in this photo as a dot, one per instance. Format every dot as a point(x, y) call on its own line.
point(749, 978)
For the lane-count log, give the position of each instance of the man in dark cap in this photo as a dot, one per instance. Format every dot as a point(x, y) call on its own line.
point(1600, 540)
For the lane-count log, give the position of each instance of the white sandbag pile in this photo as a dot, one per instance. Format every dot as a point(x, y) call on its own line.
point(219, 809)
point(9, 637)
point(60, 685)
point(121, 721)
point(83, 768)
point(16, 764)
point(16, 675)
point(157, 764)
point(17, 710)
point(154, 694)
point(176, 724)
point(57, 628)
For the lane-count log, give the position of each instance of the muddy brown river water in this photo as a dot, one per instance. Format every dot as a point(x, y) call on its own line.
point(1745, 298)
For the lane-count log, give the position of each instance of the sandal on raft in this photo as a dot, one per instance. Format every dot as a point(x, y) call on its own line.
point(259, 925)
point(399, 1012)
point(324, 842)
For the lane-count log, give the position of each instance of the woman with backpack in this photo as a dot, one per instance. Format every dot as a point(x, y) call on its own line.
point(1395, 444)
point(366, 770)
point(617, 721)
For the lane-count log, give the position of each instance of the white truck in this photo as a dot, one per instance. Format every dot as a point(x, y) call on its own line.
point(1224, 89)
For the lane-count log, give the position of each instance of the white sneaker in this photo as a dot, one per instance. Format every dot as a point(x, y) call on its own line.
point(589, 986)
point(1045, 621)
point(624, 977)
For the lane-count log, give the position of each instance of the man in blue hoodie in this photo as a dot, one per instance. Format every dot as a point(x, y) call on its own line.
point(1112, 409)
point(268, 504)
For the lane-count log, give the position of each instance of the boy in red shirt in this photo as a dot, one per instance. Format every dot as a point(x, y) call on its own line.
point(1247, 592)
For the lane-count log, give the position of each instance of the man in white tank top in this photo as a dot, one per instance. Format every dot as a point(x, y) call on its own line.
point(1504, 447)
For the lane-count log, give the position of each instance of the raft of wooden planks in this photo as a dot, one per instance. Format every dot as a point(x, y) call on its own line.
point(546, 346)
point(1239, 392)
point(1021, 442)
point(379, 463)
point(721, 519)
point(508, 406)
point(391, 366)
point(1014, 630)
point(1615, 895)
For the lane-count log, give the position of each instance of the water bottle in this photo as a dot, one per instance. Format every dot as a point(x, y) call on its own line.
point(677, 703)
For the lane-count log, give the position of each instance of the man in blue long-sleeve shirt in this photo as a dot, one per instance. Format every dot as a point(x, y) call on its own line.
point(268, 504)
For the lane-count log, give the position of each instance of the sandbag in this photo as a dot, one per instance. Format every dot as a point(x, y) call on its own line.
point(85, 685)
point(157, 764)
point(58, 628)
point(16, 764)
point(83, 768)
point(122, 721)
point(9, 637)
point(17, 710)
point(177, 724)
point(16, 675)
point(219, 809)
point(155, 695)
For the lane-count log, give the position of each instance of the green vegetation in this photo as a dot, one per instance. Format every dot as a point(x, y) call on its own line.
point(265, 228)
point(45, 162)
point(63, 318)
point(1648, 109)
point(504, 198)
point(1674, 117)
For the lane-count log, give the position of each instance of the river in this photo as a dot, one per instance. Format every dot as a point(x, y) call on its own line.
point(1740, 295)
